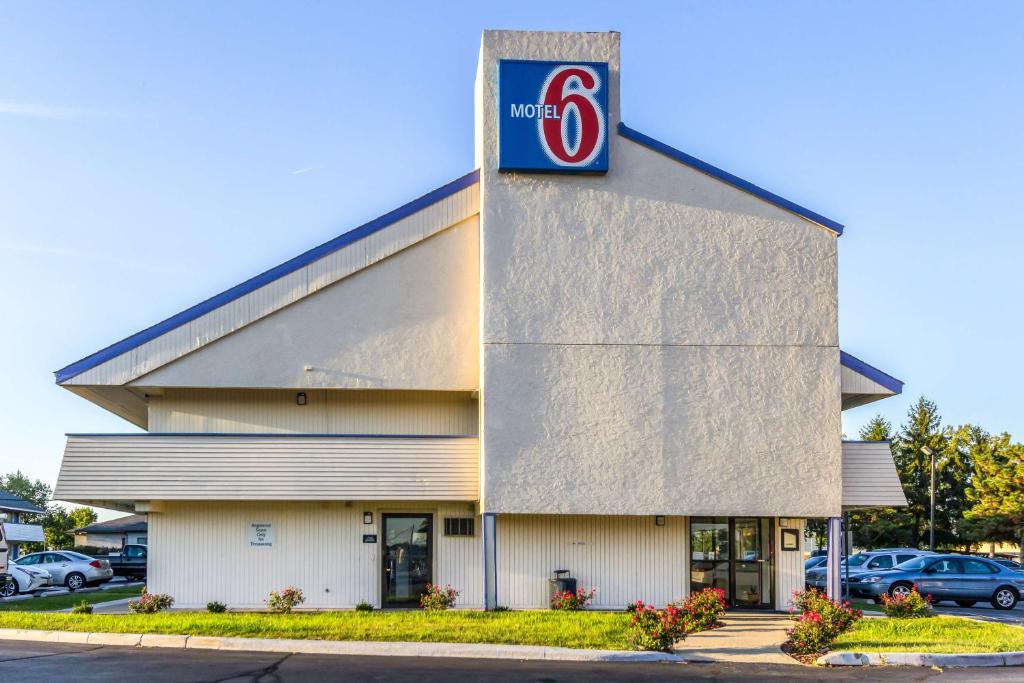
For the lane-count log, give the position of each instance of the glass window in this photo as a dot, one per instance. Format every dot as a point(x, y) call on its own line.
point(948, 566)
point(900, 559)
point(978, 567)
point(135, 551)
point(880, 562)
point(77, 556)
point(858, 559)
point(29, 560)
point(914, 565)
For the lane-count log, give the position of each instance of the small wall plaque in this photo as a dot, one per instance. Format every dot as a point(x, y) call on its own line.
point(369, 538)
point(790, 539)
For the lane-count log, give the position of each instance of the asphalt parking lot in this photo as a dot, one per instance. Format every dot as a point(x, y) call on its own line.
point(56, 663)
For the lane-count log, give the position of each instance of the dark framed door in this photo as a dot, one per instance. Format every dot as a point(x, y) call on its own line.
point(407, 557)
point(736, 555)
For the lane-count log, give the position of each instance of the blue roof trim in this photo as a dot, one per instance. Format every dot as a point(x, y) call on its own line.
point(726, 177)
point(871, 372)
point(282, 435)
point(290, 266)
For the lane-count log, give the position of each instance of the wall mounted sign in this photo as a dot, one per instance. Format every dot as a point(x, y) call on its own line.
point(369, 538)
point(261, 535)
point(790, 539)
point(552, 116)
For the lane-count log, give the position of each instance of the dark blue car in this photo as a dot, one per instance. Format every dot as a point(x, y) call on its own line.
point(964, 580)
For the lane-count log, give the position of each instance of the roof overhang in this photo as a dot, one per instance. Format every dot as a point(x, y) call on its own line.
point(863, 383)
point(23, 533)
point(870, 478)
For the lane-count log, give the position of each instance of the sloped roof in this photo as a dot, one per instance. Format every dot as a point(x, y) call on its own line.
point(9, 501)
point(871, 372)
point(728, 178)
point(116, 526)
point(274, 274)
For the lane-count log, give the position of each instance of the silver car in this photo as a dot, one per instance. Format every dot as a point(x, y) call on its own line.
point(69, 568)
point(867, 561)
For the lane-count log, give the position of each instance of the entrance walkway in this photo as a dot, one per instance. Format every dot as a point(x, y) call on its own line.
point(746, 637)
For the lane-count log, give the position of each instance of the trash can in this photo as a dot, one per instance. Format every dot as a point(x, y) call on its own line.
point(560, 583)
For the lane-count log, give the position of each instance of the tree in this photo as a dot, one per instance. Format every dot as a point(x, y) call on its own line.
point(922, 428)
point(997, 490)
point(81, 517)
point(36, 492)
point(56, 521)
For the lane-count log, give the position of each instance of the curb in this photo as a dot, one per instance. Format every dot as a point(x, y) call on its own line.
point(921, 659)
point(343, 647)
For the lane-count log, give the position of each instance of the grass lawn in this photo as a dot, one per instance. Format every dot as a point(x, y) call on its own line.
point(931, 634)
point(69, 600)
point(598, 630)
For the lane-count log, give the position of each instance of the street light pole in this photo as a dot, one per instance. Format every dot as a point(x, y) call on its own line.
point(931, 515)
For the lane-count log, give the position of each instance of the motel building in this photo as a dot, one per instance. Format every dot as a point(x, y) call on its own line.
point(592, 353)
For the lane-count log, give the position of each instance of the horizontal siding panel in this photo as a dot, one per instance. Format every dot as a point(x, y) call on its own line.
point(205, 467)
point(869, 475)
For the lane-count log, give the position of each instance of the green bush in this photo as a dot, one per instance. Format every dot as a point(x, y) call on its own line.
point(364, 606)
point(216, 607)
point(572, 601)
point(704, 609)
point(438, 598)
point(283, 602)
point(82, 607)
point(150, 603)
point(501, 608)
point(656, 629)
point(910, 606)
point(821, 621)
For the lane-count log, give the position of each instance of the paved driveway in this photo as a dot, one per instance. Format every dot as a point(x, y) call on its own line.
point(57, 663)
point(984, 611)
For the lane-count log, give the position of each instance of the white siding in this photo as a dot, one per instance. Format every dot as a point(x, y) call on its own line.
point(199, 552)
point(134, 468)
point(789, 564)
point(869, 475)
point(859, 390)
point(624, 558)
point(285, 290)
point(326, 412)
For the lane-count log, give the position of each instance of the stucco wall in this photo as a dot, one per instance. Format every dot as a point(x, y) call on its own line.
point(654, 340)
point(407, 322)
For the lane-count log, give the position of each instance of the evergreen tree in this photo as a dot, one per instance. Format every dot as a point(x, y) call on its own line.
point(996, 494)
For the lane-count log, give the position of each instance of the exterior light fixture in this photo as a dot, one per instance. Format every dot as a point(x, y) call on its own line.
point(300, 398)
point(367, 518)
point(659, 520)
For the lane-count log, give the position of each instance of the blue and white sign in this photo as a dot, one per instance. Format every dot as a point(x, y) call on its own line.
point(553, 116)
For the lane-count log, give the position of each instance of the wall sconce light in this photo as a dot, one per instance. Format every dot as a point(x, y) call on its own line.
point(367, 518)
point(659, 520)
point(300, 398)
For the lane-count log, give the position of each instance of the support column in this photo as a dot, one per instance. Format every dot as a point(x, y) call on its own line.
point(833, 585)
point(490, 561)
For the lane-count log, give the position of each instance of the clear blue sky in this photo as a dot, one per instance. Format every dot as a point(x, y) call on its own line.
point(153, 154)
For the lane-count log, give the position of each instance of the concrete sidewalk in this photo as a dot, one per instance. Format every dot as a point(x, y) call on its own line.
point(746, 637)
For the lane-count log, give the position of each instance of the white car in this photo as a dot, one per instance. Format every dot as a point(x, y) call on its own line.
point(68, 568)
point(26, 580)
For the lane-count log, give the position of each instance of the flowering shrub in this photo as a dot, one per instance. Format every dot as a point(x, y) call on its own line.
point(656, 629)
point(910, 606)
point(150, 603)
point(567, 600)
point(704, 609)
point(438, 598)
point(284, 601)
point(821, 621)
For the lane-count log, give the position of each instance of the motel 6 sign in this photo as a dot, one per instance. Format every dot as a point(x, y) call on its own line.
point(553, 116)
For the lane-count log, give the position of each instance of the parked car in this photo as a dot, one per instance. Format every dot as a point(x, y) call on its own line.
point(818, 561)
point(130, 562)
point(869, 560)
point(1012, 564)
point(963, 579)
point(68, 568)
point(24, 580)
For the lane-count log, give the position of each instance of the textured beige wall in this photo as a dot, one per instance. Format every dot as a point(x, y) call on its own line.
point(410, 321)
point(654, 340)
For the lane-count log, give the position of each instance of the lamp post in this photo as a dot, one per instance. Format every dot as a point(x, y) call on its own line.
point(931, 515)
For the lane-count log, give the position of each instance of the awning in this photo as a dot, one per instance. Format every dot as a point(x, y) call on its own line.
point(23, 533)
point(870, 478)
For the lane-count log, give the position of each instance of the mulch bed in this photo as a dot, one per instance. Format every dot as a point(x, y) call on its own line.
point(808, 660)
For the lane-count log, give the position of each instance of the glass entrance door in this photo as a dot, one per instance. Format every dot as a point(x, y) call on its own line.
point(407, 559)
point(735, 555)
